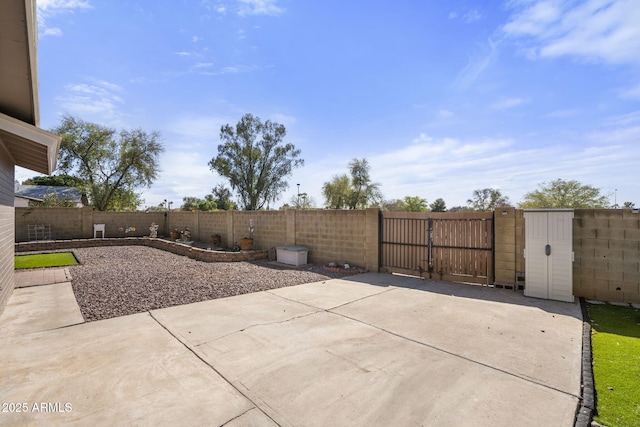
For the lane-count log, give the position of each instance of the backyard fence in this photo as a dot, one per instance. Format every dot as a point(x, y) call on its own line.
point(486, 248)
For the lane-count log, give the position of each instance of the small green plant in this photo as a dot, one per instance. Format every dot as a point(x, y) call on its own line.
point(616, 364)
point(57, 259)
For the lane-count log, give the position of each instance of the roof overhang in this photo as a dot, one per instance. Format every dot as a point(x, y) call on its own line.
point(29, 146)
point(19, 61)
point(20, 138)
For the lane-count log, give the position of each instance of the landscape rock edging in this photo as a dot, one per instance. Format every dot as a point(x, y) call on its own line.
point(173, 247)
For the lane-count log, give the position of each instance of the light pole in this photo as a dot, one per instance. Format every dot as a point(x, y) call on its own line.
point(298, 204)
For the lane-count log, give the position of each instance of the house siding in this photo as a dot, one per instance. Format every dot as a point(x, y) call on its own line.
point(7, 228)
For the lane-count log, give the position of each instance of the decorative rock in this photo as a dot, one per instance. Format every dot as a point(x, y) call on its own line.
point(333, 264)
point(347, 266)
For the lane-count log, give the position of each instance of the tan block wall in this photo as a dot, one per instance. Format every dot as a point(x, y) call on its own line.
point(6, 229)
point(333, 235)
point(349, 236)
point(606, 244)
point(505, 246)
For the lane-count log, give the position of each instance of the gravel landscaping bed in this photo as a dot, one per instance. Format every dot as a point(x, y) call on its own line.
point(117, 281)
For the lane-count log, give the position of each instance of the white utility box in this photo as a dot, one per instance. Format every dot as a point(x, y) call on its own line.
point(293, 255)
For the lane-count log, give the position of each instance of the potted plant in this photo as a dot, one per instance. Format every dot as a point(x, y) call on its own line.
point(246, 243)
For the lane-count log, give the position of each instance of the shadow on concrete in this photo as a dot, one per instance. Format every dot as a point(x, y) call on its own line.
point(464, 290)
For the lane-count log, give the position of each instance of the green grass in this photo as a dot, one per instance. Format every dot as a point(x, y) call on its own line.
point(616, 364)
point(45, 260)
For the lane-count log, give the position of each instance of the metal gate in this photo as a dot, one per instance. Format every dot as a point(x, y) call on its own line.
point(446, 246)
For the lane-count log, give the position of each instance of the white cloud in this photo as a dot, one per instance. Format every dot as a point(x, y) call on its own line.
point(476, 66)
point(52, 31)
point(259, 7)
point(507, 103)
point(47, 9)
point(471, 16)
point(444, 114)
point(97, 100)
point(631, 92)
point(562, 114)
point(600, 30)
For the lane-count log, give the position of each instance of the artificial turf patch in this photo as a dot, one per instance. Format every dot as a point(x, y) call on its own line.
point(616, 363)
point(57, 259)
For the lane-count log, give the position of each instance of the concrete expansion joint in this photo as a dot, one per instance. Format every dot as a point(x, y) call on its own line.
point(277, 322)
point(203, 360)
point(519, 376)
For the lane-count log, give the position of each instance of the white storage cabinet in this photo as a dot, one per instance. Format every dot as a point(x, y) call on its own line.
point(549, 254)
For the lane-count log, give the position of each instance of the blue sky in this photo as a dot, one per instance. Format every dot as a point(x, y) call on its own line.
point(441, 97)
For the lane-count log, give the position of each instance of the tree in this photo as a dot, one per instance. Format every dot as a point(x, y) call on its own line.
point(337, 192)
point(415, 204)
point(487, 199)
point(113, 164)
point(355, 192)
point(221, 195)
point(629, 205)
point(219, 199)
point(364, 192)
point(302, 201)
point(255, 160)
point(438, 205)
point(565, 194)
point(62, 180)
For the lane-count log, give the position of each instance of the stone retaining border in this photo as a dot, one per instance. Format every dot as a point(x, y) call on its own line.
point(587, 408)
point(165, 245)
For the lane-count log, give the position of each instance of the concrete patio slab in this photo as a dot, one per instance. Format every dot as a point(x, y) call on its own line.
point(536, 339)
point(368, 350)
point(329, 294)
point(337, 371)
point(40, 308)
point(209, 320)
point(121, 371)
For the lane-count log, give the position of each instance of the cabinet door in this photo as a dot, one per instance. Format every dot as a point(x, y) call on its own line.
point(561, 258)
point(536, 264)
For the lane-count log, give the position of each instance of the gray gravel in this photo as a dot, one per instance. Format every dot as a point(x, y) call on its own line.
point(117, 281)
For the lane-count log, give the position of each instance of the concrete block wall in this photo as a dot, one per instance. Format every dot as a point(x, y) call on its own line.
point(335, 235)
point(269, 227)
point(505, 246)
point(117, 223)
point(606, 245)
point(211, 223)
point(349, 236)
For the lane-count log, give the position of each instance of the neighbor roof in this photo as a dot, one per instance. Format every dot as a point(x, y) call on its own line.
point(39, 192)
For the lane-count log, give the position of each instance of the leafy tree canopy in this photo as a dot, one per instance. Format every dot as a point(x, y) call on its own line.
point(112, 164)
point(253, 157)
point(438, 205)
point(565, 194)
point(487, 199)
point(219, 199)
point(355, 192)
point(62, 180)
point(337, 192)
point(407, 204)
